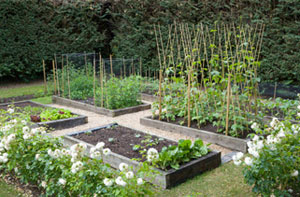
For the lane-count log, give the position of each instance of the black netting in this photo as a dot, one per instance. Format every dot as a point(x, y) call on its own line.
point(279, 90)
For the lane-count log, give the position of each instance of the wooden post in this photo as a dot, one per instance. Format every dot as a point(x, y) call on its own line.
point(68, 73)
point(101, 78)
point(62, 75)
point(124, 67)
point(189, 98)
point(94, 85)
point(159, 90)
point(141, 74)
point(85, 64)
point(45, 79)
point(111, 65)
point(57, 79)
point(54, 78)
point(228, 103)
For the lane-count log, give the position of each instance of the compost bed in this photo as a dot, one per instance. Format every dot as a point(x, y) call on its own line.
point(121, 146)
point(88, 105)
point(55, 124)
point(207, 133)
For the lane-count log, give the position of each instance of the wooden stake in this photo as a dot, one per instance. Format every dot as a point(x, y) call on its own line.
point(189, 99)
point(101, 78)
point(54, 78)
point(111, 65)
point(228, 103)
point(68, 73)
point(85, 64)
point(57, 79)
point(45, 79)
point(141, 74)
point(62, 75)
point(124, 67)
point(94, 85)
point(159, 92)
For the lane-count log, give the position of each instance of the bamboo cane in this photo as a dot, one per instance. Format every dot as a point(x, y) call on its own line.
point(189, 98)
point(57, 78)
point(228, 104)
point(54, 78)
point(68, 73)
point(94, 85)
point(45, 78)
point(160, 96)
point(111, 65)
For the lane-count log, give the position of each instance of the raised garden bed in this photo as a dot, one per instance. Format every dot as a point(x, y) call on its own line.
point(17, 98)
point(148, 97)
point(100, 110)
point(208, 136)
point(55, 124)
point(121, 146)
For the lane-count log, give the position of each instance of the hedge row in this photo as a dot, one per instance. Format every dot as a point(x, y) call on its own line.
point(35, 29)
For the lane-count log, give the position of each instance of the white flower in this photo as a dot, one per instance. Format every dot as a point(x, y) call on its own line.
point(26, 136)
point(76, 167)
point(290, 190)
point(37, 156)
point(96, 155)
point(100, 145)
point(295, 173)
point(10, 110)
point(107, 182)
point(248, 161)
point(255, 126)
point(123, 167)
point(281, 133)
point(62, 181)
point(295, 128)
point(140, 181)
point(93, 149)
point(237, 162)
point(298, 114)
point(23, 122)
point(50, 152)
point(298, 107)
point(129, 175)
point(120, 181)
point(253, 152)
point(274, 122)
point(106, 151)
point(26, 129)
point(152, 151)
point(44, 184)
point(255, 138)
point(259, 144)
point(237, 156)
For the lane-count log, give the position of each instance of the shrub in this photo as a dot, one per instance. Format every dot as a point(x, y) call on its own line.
point(274, 165)
point(42, 160)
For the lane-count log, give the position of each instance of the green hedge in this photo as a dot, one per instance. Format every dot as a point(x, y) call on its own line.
point(35, 30)
point(32, 30)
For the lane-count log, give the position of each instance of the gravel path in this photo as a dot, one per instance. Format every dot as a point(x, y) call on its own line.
point(130, 120)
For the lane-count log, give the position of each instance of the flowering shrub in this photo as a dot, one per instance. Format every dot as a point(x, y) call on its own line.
point(42, 160)
point(274, 162)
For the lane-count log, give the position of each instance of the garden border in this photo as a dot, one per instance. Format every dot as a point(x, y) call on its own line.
point(56, 124)
point(148, 97)
point(222, 140)
point(165, 179)
point(100, 110)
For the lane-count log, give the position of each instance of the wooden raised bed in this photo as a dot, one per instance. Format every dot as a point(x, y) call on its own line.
point(55, 124)
point(165, 179)
point(219, 139)
point(100, 110)
point(148, 97)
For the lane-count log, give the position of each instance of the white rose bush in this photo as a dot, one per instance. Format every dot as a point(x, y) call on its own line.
point(273, 164)
point(36, 158)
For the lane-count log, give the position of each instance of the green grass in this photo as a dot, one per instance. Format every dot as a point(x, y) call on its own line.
point(26, 89)
point(43, 100)
point(227, 180)
point(8, 190)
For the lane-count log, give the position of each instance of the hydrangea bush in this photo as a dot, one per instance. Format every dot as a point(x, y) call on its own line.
point(34, 157)
point(273, 164)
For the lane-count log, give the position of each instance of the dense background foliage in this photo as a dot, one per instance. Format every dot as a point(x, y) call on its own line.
point(32, 30)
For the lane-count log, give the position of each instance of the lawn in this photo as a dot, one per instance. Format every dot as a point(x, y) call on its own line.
point(8, 190)
point(21, 89)
point(227, 180)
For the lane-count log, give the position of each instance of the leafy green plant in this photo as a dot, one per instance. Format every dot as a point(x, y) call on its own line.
point(55, 114)
point(185, 151)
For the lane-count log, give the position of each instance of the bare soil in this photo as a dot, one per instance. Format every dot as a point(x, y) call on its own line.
point(121, 140)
